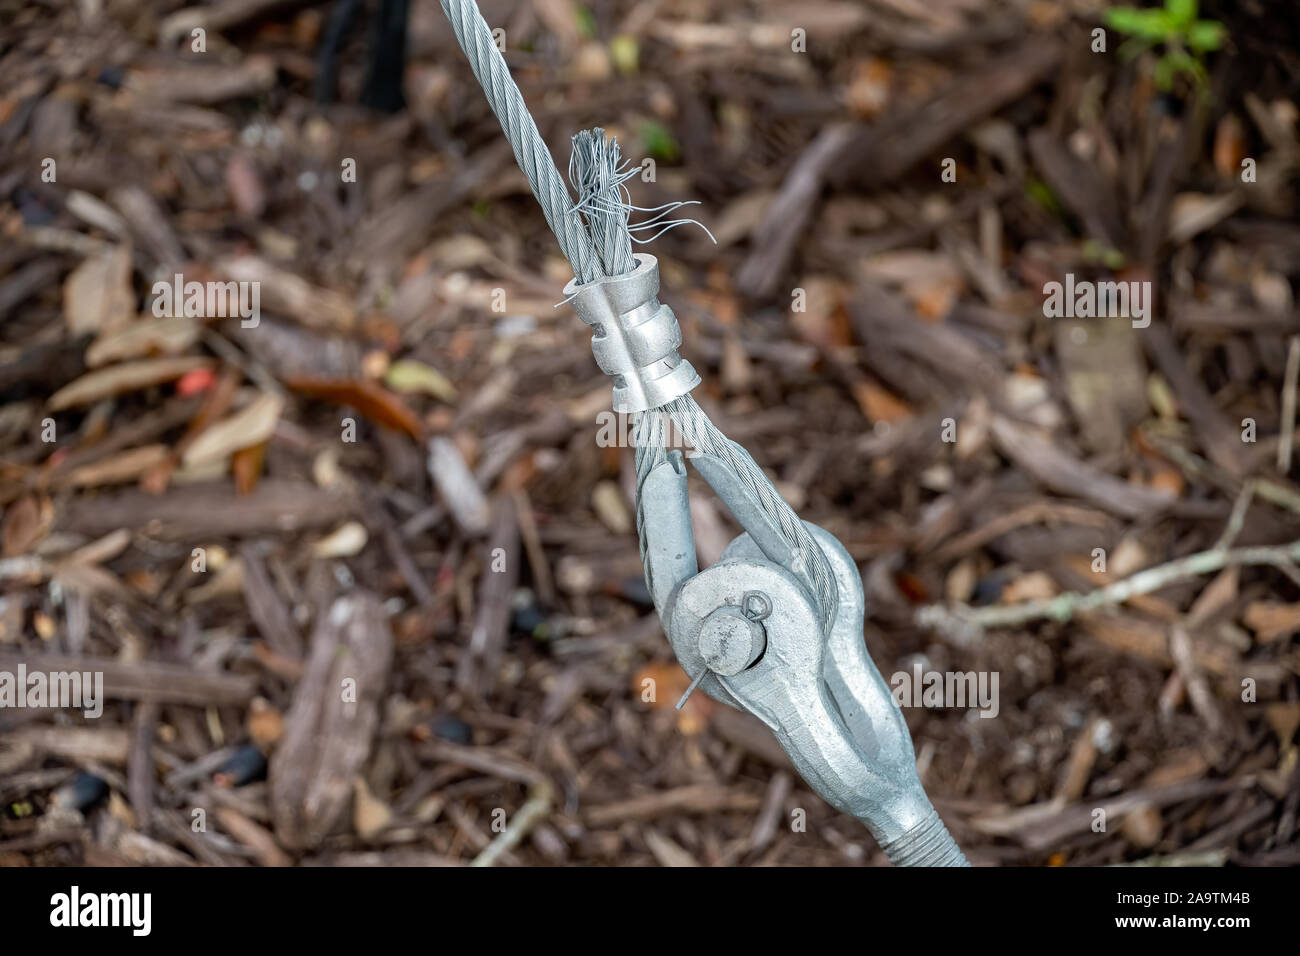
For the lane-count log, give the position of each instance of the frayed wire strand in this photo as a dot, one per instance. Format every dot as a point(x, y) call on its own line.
point(599, 174)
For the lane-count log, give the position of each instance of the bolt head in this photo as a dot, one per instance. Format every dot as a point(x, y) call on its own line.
point(730, 642)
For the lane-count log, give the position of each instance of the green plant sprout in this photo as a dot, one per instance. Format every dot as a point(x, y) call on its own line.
point(1175, 27)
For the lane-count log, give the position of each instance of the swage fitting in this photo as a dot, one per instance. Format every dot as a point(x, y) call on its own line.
point(635, 337)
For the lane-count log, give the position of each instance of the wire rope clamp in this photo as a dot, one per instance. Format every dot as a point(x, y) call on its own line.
point(635, 337)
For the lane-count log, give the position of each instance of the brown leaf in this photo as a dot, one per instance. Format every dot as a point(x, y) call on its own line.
point(1272, 619)
point(244, 184)
point(879, 404)
point(247, 467)
point(265, 724)
point(868, 90)
point(170, 335)
point(26, 522)
point(97, 294)
point(286, 292)
point(118, 379)
point(1229, 146)
point(369, 398)
point(251, 425)
point(667, 684)
point(116, 469)
point(370, 815)
point(216, 402)
point(1034, 586)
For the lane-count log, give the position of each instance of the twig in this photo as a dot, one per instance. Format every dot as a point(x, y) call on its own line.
point(458, 487)
point(1180, 649)
point(1199, 469)
point(530, 814)
point(1237, 518)
point(1287, 441)
point(962, 622)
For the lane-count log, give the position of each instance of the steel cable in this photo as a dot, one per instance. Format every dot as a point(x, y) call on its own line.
point(503, 96)
point(601, 247)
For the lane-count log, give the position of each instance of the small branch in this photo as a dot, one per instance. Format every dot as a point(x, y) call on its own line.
point(1198, 690)
point(1237, 518)
point(963, 623)
point(1284, 446)
point(530, 814)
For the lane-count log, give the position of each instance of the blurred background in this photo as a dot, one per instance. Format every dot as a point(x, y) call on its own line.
point(358, 563)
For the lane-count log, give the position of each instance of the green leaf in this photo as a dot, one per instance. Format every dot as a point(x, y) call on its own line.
point(1206, 35)
point(1147, 24)
point(1186, 63)
point(1164, 74)
point(1132, 48)
point(586, 23)
point(1181, 12)
point(659, 143)
point(625, 51)
point(1041, 194)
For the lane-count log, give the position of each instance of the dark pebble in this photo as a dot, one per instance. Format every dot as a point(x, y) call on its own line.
point(452, 729)
point(82, 792)
point(245, 765)
point(112, 77)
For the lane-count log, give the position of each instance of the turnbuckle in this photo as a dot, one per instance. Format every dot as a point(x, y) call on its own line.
point(748, 630)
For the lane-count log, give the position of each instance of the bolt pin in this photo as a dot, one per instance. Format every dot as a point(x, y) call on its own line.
point(690, 690)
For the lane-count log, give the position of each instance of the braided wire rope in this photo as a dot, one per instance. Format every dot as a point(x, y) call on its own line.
point(809, 563)
point(602, 247)
point(531, 153)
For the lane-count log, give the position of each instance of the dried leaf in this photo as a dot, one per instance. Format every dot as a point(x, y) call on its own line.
point(879, 404)
point(741, 216)
point(661, 685)
point(1229, 146)
point(288, 293)
point(1034, 586)
point(608, 503)
point(347, 540)
point(119, 379)
point(246, 465)
point(868, 91)
point(97, 294)
point(116, 469)
point(1272, 619)
point(410, 376)
point(244, 184)
point(265, 724)
point(1193, 213)
point(369, 398)
point(26, 521)
point(166, 336)
point(250, 425)
point(1168, 480)
point(370, 815)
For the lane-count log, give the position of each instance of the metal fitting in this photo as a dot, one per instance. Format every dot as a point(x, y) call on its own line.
point(635, 337)
point(731, 640)
point(813, 684)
